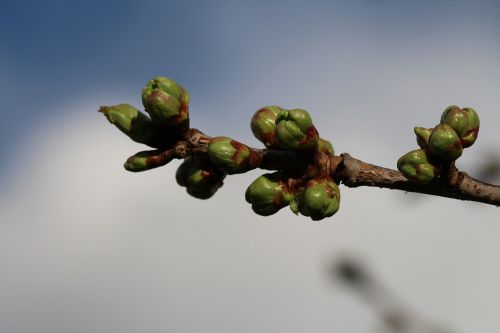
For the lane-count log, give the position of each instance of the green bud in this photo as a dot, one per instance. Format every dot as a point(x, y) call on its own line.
point(133, 123)
point(231, 155)
point(268, 194)
point(200, 179)
point(444, 143)
point(319, 199)
point(263, 124)
point(416, 167)
point(470, 136)
point(423, 135)
point(166, 102)
point(325, 146)
point(464, 121)
point(295, 130)
point(147, 160)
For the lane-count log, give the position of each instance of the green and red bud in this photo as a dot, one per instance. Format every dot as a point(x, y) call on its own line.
point(319, 199)
point(263, 124)
point(132, 123)
point(423, 135)
point(268, 194)
point(295, 130)
point(147, 160)
point(325, 146)
point(416, 167)
point(231, 155)
point(200, 179)
point(444, 143)
point(166, 102)
point(470, 136)
point(464, 121)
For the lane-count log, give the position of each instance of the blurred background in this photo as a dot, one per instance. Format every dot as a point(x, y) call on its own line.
point(87, 247)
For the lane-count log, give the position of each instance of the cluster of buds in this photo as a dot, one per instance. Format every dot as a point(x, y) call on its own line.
point(282, 129)
point(165, 127)
point(166, 102)
point(318, 199)
point(441, 145)
point(279, 128)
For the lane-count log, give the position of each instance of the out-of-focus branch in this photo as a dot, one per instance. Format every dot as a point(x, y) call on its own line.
point(395, 316)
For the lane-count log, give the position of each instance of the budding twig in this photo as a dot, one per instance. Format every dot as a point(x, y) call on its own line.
point(309, 172)
point(354, 173)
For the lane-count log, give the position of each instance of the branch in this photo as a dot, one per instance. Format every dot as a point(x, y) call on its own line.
point(309, 172)
point(355, 173)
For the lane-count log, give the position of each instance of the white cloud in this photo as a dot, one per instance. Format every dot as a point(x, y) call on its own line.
point(85, 244)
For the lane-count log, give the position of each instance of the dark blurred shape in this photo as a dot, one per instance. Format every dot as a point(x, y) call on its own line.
point(395, 316)
point(351, 272)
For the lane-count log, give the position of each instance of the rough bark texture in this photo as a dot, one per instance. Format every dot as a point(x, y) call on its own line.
point(460, 185)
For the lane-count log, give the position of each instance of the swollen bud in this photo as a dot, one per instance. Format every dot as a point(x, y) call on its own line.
point(470, 136)
point(416, 167)
point(166, 102)
point(295, 130)
point(147, 160)
point(444, 143)
point(200, 179)
point(464, 121)
point(231, 155)
point(325, 146)
point(133, 123)
point(268, 194)
point(263, 124)
point(319, 199)
point(423, 135)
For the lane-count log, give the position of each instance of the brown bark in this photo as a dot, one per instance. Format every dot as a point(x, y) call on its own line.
point(460, 185)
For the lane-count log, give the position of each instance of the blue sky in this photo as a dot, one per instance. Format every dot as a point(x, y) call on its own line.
point(76, 228)
point(55, 52)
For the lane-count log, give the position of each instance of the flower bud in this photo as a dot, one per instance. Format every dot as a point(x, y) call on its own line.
point(268, 194)
point(133, 123)
point(423, 135)
point(444, 143)
point(325, 146)
point(231, 155)
point(263, 124)
point(295, 130)
point(166, 102)
point(200, 179)
point(464, 121)
point(416, 167)
point(319, 199)
point(147, 160)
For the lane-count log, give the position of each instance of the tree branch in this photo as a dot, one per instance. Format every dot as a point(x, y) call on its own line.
point(354, 173)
